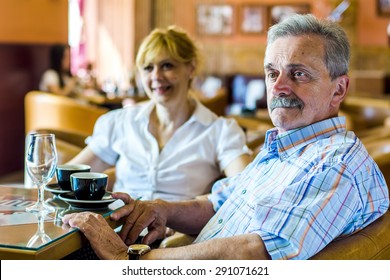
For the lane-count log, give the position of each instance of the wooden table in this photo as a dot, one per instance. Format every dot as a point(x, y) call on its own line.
point(18, 227)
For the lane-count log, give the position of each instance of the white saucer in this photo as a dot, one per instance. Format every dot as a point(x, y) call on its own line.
point(69, 198)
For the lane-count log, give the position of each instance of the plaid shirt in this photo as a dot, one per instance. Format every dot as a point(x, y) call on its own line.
point(305, 188)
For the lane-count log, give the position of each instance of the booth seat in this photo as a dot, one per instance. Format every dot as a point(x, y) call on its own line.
point(217, 101)
point(364, 113)
point(49, 111)
point(71, 120)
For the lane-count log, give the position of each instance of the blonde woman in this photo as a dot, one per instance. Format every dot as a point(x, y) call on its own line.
point(170, 147)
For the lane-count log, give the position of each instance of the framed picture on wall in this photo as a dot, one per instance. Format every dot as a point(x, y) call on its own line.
point(214, 19)
point(383, 7)
point(253, 18)
point(278, 13)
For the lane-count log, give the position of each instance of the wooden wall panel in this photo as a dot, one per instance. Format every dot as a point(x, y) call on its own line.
point(34, 21)
point(20, 70)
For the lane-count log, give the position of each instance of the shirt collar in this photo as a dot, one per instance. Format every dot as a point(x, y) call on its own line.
point(201, 113)
point(290, 141)
point(144, 112)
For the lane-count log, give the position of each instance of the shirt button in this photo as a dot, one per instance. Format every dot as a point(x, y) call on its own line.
point(243, 192)
point(220, 221)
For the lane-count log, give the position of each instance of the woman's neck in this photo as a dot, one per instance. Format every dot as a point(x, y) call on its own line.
point(164, 121)
point(175, 115)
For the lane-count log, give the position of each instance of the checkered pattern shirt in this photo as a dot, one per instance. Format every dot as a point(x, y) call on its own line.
point(305, 188)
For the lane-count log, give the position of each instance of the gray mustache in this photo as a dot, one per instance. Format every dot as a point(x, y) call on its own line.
point(283, 102)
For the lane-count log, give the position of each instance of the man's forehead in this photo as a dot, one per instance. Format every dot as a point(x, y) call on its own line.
point(293, 50)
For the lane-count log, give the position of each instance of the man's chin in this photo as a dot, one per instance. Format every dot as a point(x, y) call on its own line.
point(282, 118)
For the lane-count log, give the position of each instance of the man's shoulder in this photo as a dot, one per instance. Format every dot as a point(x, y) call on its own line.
point(341, 146)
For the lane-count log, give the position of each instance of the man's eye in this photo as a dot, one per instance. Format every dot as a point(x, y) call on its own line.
point(272, 75)
point(299, 74)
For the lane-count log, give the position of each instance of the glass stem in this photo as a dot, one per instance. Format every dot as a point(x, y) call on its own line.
point(41, 228)
point(41, 192)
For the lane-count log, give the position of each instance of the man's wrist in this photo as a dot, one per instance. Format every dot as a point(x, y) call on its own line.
point(136, 250)
point(123, 255)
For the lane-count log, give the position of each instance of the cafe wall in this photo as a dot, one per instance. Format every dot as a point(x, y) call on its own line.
point(236, 51)
point(242, 52)
point(372, 48)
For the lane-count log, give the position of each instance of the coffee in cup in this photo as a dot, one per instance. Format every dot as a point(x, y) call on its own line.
point(89, 185)
point(64, 171)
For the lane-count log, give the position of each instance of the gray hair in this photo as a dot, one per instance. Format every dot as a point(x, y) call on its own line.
point(337, 49)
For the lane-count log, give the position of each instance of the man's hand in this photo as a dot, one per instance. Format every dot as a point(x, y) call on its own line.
point(140, 215)
point(104, 240)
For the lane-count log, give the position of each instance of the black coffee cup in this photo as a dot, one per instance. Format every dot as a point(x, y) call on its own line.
point(89, 185)
point(64, 171)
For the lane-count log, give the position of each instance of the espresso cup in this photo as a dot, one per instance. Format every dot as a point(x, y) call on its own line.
point(89, 185)
point(64, 171)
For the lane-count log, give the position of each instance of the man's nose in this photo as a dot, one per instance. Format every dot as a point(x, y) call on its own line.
point(282, 85)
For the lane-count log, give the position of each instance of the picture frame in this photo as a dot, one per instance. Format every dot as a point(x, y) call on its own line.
point(253, 19)
point(215, 19)
point(383, 7)
point(278, 13)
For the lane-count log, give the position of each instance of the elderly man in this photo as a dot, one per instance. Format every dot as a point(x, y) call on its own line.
point(312, 181)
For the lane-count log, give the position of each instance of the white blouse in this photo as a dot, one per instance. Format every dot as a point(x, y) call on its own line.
point(186, 167)
point(50, 78)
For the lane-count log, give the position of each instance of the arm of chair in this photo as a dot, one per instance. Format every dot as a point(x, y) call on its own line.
point(372, 242)
point(73, 138)
point(177, 240)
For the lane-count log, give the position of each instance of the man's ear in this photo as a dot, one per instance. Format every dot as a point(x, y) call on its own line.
point(340, 92)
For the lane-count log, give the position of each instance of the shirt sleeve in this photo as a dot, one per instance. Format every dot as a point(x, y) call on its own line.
point(298, 224)
point(101, 141)
point(231, 143)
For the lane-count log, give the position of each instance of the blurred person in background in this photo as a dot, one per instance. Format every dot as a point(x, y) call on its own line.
point(58, 78)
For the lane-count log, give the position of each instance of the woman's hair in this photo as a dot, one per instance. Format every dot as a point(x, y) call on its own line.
point(56, 55)
point(336, 44)
point(172, 40)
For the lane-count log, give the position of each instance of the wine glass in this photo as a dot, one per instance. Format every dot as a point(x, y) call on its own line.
point(41, 162)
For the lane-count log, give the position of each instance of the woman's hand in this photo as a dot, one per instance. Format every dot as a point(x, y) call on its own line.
point(140, 215)
point(103, 239)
